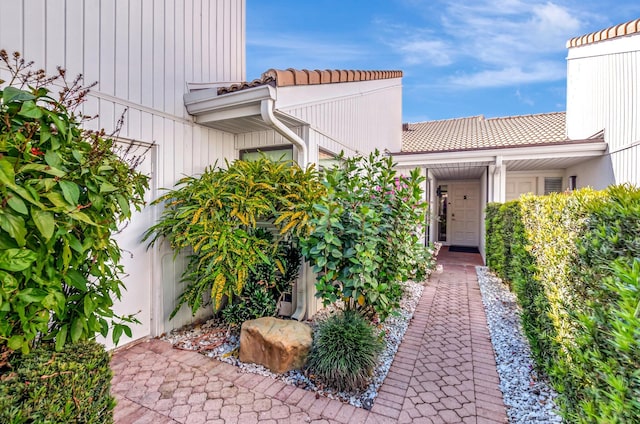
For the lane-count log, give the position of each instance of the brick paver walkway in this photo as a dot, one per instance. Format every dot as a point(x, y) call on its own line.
point(444, 372)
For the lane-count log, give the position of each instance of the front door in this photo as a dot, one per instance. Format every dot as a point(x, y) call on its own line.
point(464, 207)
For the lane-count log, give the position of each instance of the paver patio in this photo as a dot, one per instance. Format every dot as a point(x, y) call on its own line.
point(444, 372)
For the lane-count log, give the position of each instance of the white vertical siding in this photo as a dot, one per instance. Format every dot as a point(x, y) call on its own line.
point(357, 116)
point(142, 53)
point(603, 92)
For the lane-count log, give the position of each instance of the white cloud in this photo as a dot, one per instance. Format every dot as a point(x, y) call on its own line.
point(299, 52)
point(523, 98)
point(508, 41)
point(434, 52)
point(508, 76)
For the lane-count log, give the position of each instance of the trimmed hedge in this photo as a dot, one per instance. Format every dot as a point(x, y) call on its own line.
point(45, 386)
point(574, 262)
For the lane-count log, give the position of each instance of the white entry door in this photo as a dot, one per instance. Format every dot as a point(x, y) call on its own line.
point(464, 207)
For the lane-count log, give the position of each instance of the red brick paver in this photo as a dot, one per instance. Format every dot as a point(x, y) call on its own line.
point(443, 372)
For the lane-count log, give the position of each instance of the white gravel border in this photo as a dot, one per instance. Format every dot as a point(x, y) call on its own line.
point(393, 329)
point(528, 398)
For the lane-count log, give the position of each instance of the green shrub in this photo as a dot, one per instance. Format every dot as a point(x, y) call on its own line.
point(255, 301)
point(45, 386)
point(216, 216)
point(363, 240)
point(63, 193)
point(267, 284)
point(574, 262)
point(344, 351)
point(608, 342)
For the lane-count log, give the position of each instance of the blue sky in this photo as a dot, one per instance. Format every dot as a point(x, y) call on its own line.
point(459, 58)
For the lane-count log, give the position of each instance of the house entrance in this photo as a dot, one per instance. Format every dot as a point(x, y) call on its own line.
point(442, 193)
point(459, 213)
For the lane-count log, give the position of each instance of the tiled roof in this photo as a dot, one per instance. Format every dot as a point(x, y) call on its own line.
point(628, 28)
point(288, 77)
point(477, 132)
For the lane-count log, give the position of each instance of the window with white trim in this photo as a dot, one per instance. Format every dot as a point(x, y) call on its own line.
point(552, 185)
point(276, 153)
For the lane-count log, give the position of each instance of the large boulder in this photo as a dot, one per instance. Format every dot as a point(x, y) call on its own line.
point(280, 345)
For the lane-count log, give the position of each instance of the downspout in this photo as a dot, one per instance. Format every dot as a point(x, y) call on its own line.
point(266, 111)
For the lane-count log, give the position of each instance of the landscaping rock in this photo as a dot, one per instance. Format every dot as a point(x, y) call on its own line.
point(280, 345)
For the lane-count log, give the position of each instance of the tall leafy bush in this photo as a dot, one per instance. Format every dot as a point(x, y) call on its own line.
point(364, 239)
point(215, 218)
point(63, 193)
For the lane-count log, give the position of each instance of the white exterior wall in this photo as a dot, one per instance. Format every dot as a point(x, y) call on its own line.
point(350, 116)
point(142, 53)
point(536, 178)
point(603, 93)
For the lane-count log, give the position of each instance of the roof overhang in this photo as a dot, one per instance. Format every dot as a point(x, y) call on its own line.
point(236, 112)
point(538, 157)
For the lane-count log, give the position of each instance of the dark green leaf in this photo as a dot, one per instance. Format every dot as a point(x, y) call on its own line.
point(29, 109)
point(61, 337)
point(11, 94)
point(70, 191)
point(75, 279)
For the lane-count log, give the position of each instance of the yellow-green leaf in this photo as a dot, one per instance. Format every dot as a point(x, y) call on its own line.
point(107, 188)
point(14, 225)
point(81, 216)
point(17, 205)
point(44, 222)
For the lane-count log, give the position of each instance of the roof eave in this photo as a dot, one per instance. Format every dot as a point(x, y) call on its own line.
point(581, 148)
point(208, 101)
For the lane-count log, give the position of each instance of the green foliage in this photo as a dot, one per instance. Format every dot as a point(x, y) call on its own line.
point(255, 301)
point(608, 340)
point(344, 351)
point(215, 216)
point(266, 285)
point(574, 262)
point(45, 386)
point(363, 239)
point(63, 193)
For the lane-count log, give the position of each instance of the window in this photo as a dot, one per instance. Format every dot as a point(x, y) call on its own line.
point(326, 160)
point(276, 153)
point(552, 185)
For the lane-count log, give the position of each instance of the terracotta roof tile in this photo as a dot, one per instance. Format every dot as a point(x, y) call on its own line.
point(289, 77)
point(476, 132)
point(627, 28)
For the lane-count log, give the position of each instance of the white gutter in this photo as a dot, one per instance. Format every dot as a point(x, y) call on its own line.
point(266, 111)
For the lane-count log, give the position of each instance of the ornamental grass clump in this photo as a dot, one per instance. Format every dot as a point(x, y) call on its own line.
point(344, 351)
